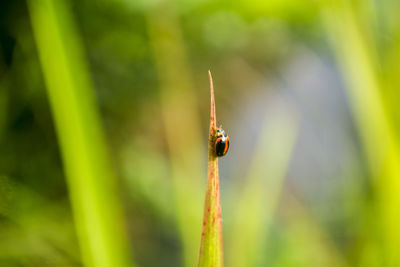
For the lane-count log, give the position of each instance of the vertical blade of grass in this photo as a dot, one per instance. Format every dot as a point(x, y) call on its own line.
point(179, 111)
point(211, 252)
point(91, 182)
point(365, 88)
point(3, 108)
point(255, 203)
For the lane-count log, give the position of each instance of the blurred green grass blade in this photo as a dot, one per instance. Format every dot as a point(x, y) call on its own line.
point(211, 251)
point(91, 181)
point(358, 65)
point(256, 202)
point(393, 62)
point(365, 88)
point(3, 108)
point(179, 111)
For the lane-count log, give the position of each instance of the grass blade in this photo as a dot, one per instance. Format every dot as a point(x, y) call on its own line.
point(366, 89)
point(177, 101)
point(255, 203)
point(211, 252)
point(91, 182)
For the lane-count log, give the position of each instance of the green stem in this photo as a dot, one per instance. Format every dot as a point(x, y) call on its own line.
point(211, 251)
point(91, 181)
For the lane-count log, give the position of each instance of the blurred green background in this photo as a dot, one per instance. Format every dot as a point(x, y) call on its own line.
point(104, 109)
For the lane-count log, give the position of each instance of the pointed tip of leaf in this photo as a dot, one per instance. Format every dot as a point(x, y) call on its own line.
point(212, 113)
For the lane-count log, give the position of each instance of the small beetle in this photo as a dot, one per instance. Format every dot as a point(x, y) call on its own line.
point(221, 144)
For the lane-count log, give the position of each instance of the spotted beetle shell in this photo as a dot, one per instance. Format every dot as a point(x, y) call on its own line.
point(221, 144)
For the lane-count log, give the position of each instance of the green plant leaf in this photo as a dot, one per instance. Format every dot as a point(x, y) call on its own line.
point(91, 181)
point(211, 252)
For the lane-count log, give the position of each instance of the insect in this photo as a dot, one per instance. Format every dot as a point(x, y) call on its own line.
point(221, 144)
